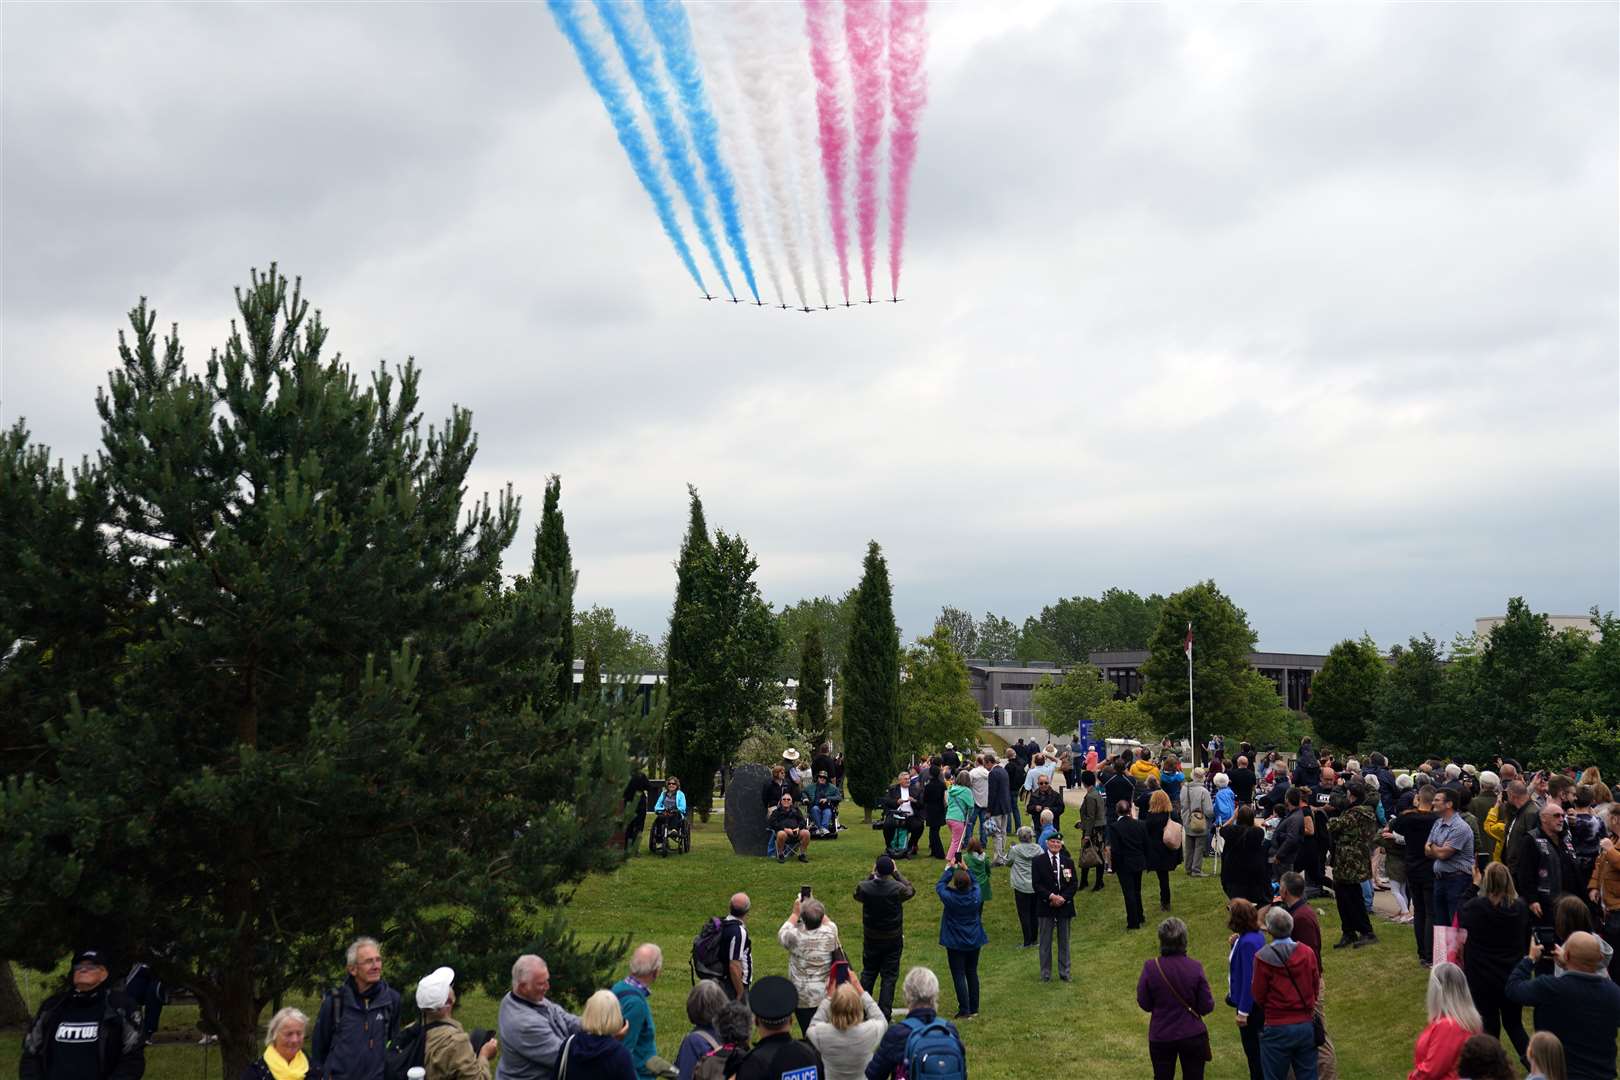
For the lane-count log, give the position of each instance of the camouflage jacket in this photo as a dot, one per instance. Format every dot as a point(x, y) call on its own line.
point(1354, 831)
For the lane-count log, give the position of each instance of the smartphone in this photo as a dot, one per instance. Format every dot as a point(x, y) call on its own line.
point(1545, 936)
point(804, 892)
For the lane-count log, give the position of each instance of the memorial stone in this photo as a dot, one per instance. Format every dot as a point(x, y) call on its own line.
point(745, 814)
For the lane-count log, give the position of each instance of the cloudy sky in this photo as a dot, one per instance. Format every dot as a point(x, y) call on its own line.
point(1319, 302)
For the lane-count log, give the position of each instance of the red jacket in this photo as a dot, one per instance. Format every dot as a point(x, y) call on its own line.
point(1437, 1050)
point(1287, 982)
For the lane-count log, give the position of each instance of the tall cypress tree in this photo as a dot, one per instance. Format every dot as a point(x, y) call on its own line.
point(813, 687)
point(554, 568)
point(684, 718)
point(590, 683)
point(872, 685)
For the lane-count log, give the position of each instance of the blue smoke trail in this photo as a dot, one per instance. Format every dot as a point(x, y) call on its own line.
point(624, 125)
point(642, 65)
point(667, 18)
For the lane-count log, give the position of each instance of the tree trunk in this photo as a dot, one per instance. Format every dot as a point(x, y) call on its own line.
point(13, 1009)
point(235, 1019)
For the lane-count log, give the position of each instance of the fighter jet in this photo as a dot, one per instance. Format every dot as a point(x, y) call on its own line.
point(806, 310)
point(734, 300)
point(759, 303)
point(786, 308)
point(706, 296)
point(896, 299)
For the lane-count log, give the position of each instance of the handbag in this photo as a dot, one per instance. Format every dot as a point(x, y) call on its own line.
point(1089, 855)
point(1318, 1027)
point(1172, 835)
point(1209, 1055)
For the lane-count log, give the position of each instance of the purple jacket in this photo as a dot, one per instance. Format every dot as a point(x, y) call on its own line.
point(1171, 1017)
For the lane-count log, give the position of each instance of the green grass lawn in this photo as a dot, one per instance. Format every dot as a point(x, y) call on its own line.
point(1088, 1028)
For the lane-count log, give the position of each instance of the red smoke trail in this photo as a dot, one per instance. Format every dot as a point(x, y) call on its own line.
point(863, 26)
point(830, 113)
point(908, 90)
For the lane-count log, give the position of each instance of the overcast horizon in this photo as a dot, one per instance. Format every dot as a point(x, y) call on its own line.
point(1318, 302)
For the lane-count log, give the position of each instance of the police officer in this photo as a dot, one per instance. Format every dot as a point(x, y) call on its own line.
point(777, 1055)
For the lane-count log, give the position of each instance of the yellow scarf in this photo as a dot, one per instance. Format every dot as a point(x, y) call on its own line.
point(281, 1068)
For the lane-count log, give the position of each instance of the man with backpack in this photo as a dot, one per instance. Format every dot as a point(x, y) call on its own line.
point(736, 950)
point(777, 1055)
point(924, 1044)
point(447, 1050)
point(356, 1020)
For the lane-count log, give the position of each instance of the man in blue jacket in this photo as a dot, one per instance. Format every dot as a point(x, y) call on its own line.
point(921, 990)
point(356, 1019)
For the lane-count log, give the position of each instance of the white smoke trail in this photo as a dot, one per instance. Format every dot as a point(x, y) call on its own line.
point(737, 135)
point(812, 198)
point(749, 33)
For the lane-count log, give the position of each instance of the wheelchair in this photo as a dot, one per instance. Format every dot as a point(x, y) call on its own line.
point(670, 832)
point(832, 827)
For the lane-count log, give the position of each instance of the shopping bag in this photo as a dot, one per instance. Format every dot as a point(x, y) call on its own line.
point(1449, 942)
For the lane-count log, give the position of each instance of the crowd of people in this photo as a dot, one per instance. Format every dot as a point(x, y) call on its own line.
point(1510, 881)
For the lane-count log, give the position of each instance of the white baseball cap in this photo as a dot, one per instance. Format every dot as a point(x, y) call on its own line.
point(433, 992)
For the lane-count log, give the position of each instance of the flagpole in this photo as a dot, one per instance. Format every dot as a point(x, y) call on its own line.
point(1192, 737)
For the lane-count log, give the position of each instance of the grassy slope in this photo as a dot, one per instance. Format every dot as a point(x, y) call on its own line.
point(1375, 996)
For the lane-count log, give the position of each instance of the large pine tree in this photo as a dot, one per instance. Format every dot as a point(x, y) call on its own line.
point(872, 685)
point(1223, 682)
point(264, 689)
point(554, 567)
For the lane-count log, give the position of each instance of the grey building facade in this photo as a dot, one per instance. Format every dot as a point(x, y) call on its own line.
point(1003, 687)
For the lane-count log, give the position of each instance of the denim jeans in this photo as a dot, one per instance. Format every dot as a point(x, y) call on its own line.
point(1285, 1046)
point(1450, 890)
point(1367, 895)
point(821, 817)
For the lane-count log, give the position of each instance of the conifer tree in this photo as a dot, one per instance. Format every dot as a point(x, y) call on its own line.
point(686, 650)
point(590, 683)
point(264, 690)
point(872, 685)
point(554, 565)
point(812, 697)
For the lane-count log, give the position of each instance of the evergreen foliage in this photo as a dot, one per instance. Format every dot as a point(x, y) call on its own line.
point(1345, 693)
point(620, 650)
point(554, 566)
point(871, 678)
point(685, 653)
point(590, 681)
point(812, 695)
point(723, 649)
point(264, 689)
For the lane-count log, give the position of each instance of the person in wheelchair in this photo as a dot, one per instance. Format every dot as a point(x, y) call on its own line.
point(669, 816)
point(902, 821)
point(823, 801)
point(788, 827)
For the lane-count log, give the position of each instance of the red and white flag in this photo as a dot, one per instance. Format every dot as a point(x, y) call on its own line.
point(1187, 645)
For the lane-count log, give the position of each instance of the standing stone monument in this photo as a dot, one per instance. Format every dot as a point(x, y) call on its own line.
point(745, 814)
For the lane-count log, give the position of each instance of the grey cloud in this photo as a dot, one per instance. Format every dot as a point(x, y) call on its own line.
point(1316, 301)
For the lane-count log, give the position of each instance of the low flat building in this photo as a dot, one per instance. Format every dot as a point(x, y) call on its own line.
point(1003, 687)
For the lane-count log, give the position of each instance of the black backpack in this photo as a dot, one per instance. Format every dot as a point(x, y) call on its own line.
point(406, 1050)
point(706, 962)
